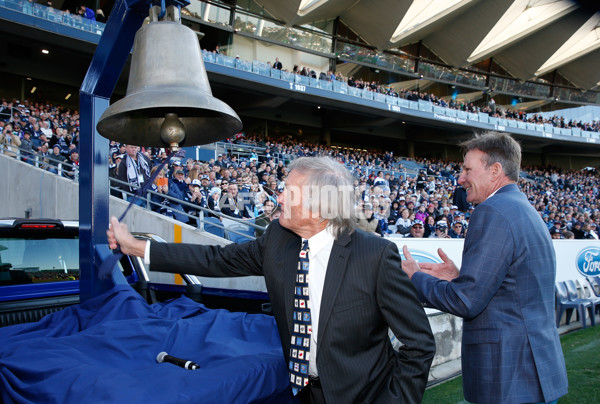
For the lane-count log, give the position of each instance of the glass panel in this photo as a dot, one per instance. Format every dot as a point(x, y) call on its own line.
point(437, 72)
point(307, 39)
point(366, 55)
point(208, 12)
point(38, 260)
point(515, 87)
point(565, 94)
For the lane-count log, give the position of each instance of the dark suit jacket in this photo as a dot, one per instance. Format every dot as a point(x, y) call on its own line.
point(511, 352)
point(365, 291)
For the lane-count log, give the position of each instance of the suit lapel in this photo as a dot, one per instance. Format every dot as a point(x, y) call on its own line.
point(333, 281)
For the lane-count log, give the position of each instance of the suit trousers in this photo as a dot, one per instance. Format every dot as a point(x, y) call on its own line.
point(311, 394)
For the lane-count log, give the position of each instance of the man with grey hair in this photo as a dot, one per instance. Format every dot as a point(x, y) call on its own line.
point(334, 323)
point(504, 291)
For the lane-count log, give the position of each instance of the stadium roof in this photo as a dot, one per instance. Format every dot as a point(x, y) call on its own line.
point(528, 38)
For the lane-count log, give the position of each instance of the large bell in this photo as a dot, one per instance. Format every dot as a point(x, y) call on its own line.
point(169, 101)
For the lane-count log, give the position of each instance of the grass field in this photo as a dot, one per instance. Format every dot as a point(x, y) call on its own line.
point(582, 356)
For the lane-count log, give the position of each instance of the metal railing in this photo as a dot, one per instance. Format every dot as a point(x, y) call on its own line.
point(66, 170)
point(124, 188)
point(54, 15)
point(48, 163)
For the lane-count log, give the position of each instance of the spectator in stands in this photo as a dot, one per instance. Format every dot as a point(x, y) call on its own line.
point(195, 197)
point(416, 230)
point(568, 235)
point(213, 201)
point(233, 205)
point(10, 140)
point(163, 200)
point(394, 213)
point(178, 181)
point(265, 218)
point(27, 151)
point(589, 231)
point(555, 233)
point(368, 222)
point(100, 17)
point(429, 226)
point(54, 159)
point(87, 13)
point(277, 65)
point(420, 214)
point(441, 229)
point(456, 231)
point(491, 284)
point(71, 166)
point(134, 170)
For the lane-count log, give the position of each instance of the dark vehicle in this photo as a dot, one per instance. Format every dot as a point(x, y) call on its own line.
point(39, 274)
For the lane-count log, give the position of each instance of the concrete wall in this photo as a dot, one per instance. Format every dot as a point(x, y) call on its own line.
point(27, 188)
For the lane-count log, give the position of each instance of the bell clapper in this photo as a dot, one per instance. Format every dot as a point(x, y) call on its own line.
point(172, 131)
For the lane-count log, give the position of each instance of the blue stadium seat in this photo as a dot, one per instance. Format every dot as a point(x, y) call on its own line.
point(214, 228)
point(565, 304)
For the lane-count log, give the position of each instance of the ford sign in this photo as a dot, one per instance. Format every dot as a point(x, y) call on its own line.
point(588, 261)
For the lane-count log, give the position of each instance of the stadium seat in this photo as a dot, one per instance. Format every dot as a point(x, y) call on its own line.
point(216, 228)
point(594, 282)
point(567, 302)
point(574, 295)
point(586, 293)
point(247, 232)
point(564, 305)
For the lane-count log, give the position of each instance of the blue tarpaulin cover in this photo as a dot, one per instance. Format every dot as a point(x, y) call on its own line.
point(104, 351)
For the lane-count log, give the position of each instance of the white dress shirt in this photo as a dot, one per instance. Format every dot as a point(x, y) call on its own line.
point(320, 246)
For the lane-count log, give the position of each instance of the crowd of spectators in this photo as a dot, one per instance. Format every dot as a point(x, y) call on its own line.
point(390, 199)
point(488, 106)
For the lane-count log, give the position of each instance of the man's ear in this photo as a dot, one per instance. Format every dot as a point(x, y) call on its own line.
point(497, 170)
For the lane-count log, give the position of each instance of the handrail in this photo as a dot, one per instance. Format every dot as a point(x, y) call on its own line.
point(24, 155)
point(150, 203)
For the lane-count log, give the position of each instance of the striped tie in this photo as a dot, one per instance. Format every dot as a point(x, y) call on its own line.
point(300, 347)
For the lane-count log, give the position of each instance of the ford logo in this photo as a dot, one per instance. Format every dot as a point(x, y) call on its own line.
point(588, 261)
point(423, 256)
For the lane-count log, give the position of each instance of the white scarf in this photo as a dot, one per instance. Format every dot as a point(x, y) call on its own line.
point(133, 173)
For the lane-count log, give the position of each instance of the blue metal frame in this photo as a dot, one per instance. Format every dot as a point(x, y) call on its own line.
point(101, 78)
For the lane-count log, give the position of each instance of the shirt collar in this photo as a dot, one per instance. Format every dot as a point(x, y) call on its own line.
point(320, 240)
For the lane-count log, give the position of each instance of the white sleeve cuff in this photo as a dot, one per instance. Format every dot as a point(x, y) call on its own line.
point(147, 253)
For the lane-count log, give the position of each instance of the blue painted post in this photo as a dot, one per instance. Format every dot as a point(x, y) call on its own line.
point(106, 67)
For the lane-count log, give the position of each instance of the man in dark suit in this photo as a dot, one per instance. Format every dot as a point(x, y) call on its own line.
point(356, 291)
point(511, 352)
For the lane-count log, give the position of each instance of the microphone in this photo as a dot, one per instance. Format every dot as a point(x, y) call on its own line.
point(164, 357)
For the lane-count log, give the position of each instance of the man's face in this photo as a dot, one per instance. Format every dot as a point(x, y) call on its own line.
point(417, 231)
point(457, 227)
point(294, 216)
point(132, 150)
point(268, 207)
point(233, 190)
point(475, 177)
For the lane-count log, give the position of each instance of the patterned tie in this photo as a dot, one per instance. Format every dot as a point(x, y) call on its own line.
point(300, 347)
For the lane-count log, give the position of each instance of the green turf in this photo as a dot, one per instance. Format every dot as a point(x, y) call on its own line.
point(582, 356)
